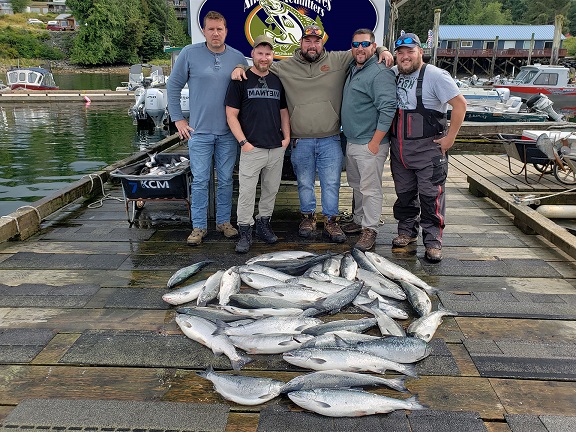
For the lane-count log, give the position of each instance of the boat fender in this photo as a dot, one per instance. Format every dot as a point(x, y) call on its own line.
point(87, 99)
point(559, 211)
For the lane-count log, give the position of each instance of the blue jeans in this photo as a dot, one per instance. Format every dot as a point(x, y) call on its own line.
point(201, 148)
point(325, 156)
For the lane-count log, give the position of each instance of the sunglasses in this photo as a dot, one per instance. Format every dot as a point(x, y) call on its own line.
point(407, 40)
point(216, 62)
point(313, 32)
point(365, 44)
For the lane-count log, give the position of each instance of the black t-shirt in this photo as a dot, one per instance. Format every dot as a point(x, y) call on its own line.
point(259, 100)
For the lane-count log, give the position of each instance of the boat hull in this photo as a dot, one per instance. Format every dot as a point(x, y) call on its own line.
point(31, 87)
point(563, 97)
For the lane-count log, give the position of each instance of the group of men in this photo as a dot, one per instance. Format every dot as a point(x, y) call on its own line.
point(303, 101)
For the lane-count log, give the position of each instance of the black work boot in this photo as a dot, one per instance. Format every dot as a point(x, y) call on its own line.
point(264, 230)
point(333, 231)
point(245, 241)
point(308, 225)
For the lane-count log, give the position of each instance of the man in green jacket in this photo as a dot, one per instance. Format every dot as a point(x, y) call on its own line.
point(313, 79)
point(368, 107)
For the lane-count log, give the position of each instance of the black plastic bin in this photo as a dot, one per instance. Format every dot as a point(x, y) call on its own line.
point(138, 188)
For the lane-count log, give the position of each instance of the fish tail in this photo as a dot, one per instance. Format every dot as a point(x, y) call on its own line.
point(446, 311)
point(414, 403)
point(240, 362)
point(398, 384)
point(410, 370)
point(220, 328)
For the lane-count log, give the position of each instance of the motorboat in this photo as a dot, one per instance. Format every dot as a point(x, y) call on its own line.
point(552, 81)
point(537, 109)
point(137, 78)
point(32, 78)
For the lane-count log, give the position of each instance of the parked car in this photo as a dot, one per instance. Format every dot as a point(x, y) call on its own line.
point(34, 21)
point(54, 26)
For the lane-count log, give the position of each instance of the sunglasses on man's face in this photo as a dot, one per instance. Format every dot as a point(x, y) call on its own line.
point(407, 40)
point(313, 32)
point(365, 44)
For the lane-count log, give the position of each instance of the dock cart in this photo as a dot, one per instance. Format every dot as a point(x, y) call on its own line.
point(138, 188)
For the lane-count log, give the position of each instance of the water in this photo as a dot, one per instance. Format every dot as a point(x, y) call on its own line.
point(43, 148)
point(89, 81)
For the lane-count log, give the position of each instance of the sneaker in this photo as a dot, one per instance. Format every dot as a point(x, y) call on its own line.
point(227, 229)
point(403, 240)
point(264, 230)
point(433, 254)
point(333, 231)
point(367, 240)
point(245, 241)
point(351, 228)
point(196, 236)
point(308, 225)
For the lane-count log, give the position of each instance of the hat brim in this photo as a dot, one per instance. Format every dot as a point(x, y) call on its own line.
point(407, 45)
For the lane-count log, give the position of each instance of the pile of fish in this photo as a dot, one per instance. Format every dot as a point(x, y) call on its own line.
point(153, 167)
point(278, 314)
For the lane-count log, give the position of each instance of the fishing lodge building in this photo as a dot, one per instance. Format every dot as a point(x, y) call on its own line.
point(494, 49)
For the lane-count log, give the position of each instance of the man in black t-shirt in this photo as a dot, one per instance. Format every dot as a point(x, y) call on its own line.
point(258, 117)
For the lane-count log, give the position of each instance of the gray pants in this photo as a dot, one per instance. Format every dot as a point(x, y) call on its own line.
point(419, 171)
point(364, 173)
point(254, 164)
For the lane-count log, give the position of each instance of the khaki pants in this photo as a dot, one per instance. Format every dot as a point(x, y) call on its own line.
point(265, 164)
point(364, 173)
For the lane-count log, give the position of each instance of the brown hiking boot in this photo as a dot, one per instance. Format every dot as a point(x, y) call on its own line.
point(196, 236)
point(433, 254)
point(333, 231)
point(403, 240)
point(367, 240)
point(351, 228)
point(227, 229)
point(308, 225)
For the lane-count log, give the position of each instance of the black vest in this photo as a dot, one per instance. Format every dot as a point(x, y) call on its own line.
point(420, 122)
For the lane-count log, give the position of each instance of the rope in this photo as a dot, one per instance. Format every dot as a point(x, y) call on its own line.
point(15, 220)
point(105, 196)
point(33, 208)
point(528, 198)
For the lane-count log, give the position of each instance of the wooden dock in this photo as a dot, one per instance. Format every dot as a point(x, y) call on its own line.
point(86, 342)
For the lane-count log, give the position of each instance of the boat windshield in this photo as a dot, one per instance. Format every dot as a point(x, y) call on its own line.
point(48, 80)
point(525, 76)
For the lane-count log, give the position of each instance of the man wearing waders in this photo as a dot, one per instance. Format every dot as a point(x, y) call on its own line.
point(419, 145)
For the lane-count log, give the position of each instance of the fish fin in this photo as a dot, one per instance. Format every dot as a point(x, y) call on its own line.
point(285, 343)
point(241, 362)
point(410, 370)
point(317, 360)
point(446, 311)
point(415, 403)
point(221, 327)
point(398, 384)
point(341, 343)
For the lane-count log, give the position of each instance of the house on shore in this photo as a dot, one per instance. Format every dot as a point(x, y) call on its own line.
point(494, 49)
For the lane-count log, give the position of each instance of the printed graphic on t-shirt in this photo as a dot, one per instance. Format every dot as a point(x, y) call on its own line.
point(406, 84)
point(263, 93)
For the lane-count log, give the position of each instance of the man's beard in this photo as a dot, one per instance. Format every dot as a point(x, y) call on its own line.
point(261, 68)
point(413, 67)
point(311, 57)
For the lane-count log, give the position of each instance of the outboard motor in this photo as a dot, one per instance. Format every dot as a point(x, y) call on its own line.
point(155, 105)
point(185, 102)
point(137, 110)
point(541, 103)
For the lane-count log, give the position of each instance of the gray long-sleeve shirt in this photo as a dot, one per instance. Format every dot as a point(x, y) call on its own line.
point(207, 75)
point(369, 102)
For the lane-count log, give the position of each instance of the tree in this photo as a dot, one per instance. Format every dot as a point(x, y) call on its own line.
point(544, 11)
point(491, 13)
point(19, 6)
point(516, 8)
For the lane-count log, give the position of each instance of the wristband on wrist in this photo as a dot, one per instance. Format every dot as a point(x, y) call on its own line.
point(244, 141)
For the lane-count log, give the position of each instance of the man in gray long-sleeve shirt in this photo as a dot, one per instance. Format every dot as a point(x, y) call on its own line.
point(368, 107)
point(206, 68)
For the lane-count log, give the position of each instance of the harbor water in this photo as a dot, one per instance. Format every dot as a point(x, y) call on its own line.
point(44, 147)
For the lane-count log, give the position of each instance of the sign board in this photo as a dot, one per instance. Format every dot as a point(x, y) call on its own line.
point(284, 21)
